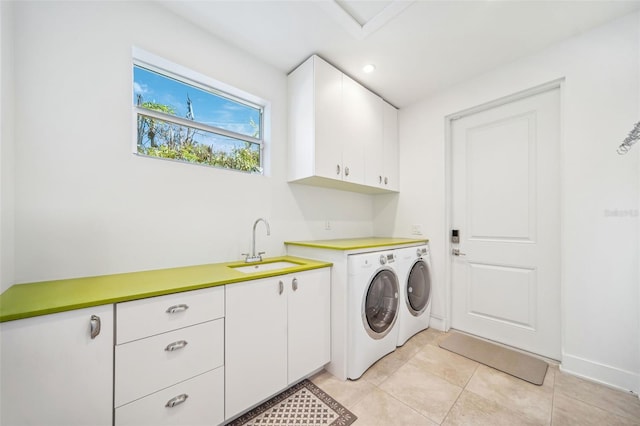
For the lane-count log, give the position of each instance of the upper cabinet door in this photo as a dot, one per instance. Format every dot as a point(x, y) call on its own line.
point(357, 114)
point(328, 120)
point(390, 178)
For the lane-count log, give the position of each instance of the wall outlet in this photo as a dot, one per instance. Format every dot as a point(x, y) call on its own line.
point(416, 229)
point(327, 225)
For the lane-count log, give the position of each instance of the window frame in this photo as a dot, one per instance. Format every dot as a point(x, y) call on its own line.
point(168, 69)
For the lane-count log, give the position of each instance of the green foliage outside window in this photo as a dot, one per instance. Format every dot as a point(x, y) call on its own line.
point(158, 138)
point(177, 140)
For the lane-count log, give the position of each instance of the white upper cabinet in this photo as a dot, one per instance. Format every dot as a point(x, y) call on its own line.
point(390, 176)
point(337, 131)
point(322, 122)
point(362, 129)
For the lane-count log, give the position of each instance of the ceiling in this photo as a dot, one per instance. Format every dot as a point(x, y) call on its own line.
point(418, 47)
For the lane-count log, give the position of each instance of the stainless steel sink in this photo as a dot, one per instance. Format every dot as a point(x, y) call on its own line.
point(262, 267)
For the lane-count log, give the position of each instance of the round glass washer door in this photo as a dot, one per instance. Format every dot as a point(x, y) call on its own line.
point(380, 307)
point(418, 288)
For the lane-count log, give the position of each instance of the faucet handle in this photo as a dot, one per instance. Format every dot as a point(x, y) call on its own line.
point(261, 253)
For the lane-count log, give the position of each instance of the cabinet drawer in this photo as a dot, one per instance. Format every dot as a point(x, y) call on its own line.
point(147, 317)
point(203, 405)
point(149, 365)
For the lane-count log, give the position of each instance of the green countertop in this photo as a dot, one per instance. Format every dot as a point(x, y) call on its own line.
point(47, 297)
point(357, 243)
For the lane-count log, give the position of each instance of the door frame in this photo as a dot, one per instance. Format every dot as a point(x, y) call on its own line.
point(448, 122)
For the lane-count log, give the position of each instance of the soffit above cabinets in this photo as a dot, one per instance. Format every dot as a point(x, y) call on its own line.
point(362, 18)
point(363, 11)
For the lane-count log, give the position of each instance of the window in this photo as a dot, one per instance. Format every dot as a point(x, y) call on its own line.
point(183, 119)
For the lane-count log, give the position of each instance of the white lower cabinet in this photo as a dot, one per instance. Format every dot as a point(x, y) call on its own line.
point(276, 332)
point(309, 323)
point(194, 402)
point(192, 358)
point(146, 365)
point(176, 375)
point(52, 372)
point(255, 342)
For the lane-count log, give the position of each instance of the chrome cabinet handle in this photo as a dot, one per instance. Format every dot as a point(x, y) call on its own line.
point(457, 252)
point(177, 308)
point(176, 345)
point(294, 284)
point(386, 180)
point(346, 171)
point(177, 400)
point(379, 179)
point(337, 169)
point(280, 287)
point(95, 326)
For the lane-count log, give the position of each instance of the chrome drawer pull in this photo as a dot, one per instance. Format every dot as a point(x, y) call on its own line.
point(177, 400)
point(294, 284)
point(95, 326)
point(177, 308)
point(176, 345)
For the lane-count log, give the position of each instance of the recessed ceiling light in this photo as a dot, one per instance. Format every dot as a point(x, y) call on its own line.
point(369, 68)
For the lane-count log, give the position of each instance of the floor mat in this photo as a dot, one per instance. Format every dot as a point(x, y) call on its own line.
point(302, 404)
point(517, 364)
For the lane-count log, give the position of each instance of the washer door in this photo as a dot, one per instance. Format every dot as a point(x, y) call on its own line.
point(380, 308)
point(418, 288)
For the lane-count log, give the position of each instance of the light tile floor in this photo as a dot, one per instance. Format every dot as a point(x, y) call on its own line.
point(422, 384)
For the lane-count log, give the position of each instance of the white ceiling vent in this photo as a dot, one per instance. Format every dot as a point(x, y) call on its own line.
point(362, 18)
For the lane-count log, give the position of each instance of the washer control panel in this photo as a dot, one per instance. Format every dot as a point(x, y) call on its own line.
point(387, 258)
point(422, 251)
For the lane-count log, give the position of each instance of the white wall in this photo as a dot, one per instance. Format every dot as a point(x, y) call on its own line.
point(600, 251)
point(6, 146)
point(85, 205)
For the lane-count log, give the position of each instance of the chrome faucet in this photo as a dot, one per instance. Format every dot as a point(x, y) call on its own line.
point(256, 257)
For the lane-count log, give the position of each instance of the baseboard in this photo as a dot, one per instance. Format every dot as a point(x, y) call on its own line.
point(436, 323)
point(604, 374)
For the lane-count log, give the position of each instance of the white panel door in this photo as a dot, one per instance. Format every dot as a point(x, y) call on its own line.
point(506, 193)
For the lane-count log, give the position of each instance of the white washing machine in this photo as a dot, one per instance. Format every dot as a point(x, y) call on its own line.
point(373, 304)
point(414, 270)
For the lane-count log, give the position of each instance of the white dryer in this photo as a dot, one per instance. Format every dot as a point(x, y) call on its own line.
point(414, 270)
point(373, 305)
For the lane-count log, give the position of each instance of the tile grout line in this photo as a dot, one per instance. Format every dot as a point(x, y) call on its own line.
point(377, 386)
point(606, 410)
point(435, 344)
point(410, 407)
point(453, 405)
